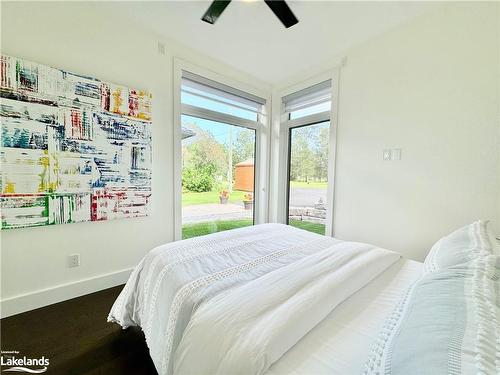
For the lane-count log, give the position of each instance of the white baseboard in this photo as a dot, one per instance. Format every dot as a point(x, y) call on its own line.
point(44, 297)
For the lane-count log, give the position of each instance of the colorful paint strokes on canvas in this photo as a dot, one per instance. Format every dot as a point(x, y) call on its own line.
point(73, 148)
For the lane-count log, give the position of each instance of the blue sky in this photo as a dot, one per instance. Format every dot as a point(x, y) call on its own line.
point(219, 130)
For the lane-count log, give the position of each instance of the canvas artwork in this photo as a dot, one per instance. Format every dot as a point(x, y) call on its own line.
point(73, 148)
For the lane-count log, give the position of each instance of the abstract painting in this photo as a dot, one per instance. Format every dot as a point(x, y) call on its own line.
point(73, 148)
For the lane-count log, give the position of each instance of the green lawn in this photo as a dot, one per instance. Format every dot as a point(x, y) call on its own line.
point(200, 229)
point(308, 185)
point(189, 198)
point(311, 227)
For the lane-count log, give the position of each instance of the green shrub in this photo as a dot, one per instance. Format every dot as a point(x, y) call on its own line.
point(200, 179)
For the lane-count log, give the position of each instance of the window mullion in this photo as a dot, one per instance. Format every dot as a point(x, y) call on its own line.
point(308, 120)
point(218, 116)
point(254, 110)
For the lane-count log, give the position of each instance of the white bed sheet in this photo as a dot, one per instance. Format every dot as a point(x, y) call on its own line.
point(342, 342)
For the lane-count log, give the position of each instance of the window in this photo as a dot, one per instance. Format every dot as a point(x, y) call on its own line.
point(201, 96)
point(307, 118)
point(219, 140)
point(204, 94)
point(316, 108)
point(313, 100)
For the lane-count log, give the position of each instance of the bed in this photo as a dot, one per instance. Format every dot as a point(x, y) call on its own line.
point(272, 299)
point(342, 342)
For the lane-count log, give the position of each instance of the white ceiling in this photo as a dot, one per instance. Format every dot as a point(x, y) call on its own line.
point(249, 37)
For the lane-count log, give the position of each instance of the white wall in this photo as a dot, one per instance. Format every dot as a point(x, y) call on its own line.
point(79, 38)
point(430, 87)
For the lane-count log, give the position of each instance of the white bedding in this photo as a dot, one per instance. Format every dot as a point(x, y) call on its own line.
point(270, 284)
point(245, 329)
point(341, 343)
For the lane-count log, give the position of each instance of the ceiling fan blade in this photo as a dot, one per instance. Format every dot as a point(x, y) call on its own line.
point(282, 11)
point(215, 10)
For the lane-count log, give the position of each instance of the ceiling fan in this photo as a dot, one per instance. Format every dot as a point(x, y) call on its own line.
point(279, 8)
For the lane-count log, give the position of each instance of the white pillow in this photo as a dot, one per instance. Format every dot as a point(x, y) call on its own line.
point(461, 246)
point(446, 323)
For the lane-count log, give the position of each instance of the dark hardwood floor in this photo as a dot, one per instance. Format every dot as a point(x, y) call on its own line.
point(76, 338)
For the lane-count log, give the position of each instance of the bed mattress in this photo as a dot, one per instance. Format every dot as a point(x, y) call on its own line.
point(341, 343)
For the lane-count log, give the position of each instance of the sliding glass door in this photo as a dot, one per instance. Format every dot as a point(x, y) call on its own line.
point(308, 176)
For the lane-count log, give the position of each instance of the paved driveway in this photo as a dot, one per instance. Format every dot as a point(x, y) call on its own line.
point(304, 197)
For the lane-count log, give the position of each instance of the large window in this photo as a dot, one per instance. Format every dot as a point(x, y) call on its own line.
point(307, 118)
point(219, 138)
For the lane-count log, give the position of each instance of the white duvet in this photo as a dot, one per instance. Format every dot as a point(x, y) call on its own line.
point(235, 302)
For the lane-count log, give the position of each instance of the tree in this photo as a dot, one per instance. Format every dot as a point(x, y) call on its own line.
point(309, 153)
point(204, 161)
point(244, 146)
point(321, 154)
point(302, 160)
point(198, 179)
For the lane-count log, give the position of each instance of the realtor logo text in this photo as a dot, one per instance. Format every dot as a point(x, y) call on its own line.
point(23, 364)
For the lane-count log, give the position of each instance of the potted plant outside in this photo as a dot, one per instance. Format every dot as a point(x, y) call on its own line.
point(224, 196)
point(248, 201)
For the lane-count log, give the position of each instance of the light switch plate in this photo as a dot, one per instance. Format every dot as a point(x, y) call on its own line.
point(396, 154)
point(386, 155)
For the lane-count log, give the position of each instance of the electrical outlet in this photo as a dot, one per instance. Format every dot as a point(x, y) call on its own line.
point(73, 260)
point(386, 155)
